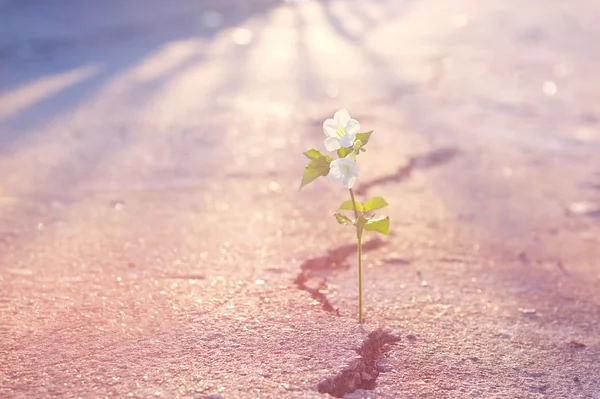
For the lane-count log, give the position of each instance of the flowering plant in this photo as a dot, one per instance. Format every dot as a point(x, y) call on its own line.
point(344, 138)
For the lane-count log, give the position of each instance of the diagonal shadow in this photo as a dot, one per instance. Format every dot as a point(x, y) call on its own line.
point(337, 24)
point(308, 79)
point(93, 152)
point(386, 75)
point(115, 50)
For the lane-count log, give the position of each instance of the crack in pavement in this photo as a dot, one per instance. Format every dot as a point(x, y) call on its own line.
point(316, 270)
point(316, 293)
point(362, 372)
point(423, 161)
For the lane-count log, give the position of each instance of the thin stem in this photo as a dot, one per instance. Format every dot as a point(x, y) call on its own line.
point(359, 246)
point(353, 203)
point(359, 236)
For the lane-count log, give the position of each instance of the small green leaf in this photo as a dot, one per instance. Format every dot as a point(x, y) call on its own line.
point(361, 221)
point(343, 219)
point(380, 225)
point(315, 168)
point(347, 205)
point(364, 137)
point(342, 152)
point(313, 154)
point(374, 203)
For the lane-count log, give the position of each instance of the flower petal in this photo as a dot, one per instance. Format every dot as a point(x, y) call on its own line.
point(332, 144)
point(349, 181)
point(343, 170)
point(334, 167)
point(333, 178)
point(335, 172)
point(330, 127)
point(347, 140)
point(342, 117)
point(352, 127)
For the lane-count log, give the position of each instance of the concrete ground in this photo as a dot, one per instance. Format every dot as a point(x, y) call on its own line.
point(153, 242)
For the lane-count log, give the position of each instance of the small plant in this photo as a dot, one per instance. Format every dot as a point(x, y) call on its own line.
point(343, 137)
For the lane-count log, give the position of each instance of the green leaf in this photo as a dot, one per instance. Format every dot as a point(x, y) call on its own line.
point(380, 225)
point(364, 137)
point(315, 168)
point(342, 152)
point(313, 154)
point(347, 205)
point(374, 203)
point(343, 219)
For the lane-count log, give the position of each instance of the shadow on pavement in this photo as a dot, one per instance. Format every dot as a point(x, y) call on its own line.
point(114, 44)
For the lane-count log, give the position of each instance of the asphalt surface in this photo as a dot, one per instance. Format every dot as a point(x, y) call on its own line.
point(153, 242)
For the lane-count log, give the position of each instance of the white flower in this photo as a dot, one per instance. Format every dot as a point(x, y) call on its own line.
point(343, 170)
point(340, 131)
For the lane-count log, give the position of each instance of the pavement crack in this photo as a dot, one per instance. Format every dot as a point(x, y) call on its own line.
point(362, 372)
point(314, 272)
point(301, 282)
point(423, 161)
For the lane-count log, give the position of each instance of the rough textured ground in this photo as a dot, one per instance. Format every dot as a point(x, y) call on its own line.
point(153, 242)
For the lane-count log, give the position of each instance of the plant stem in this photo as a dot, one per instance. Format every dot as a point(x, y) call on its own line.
point(359, 247)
